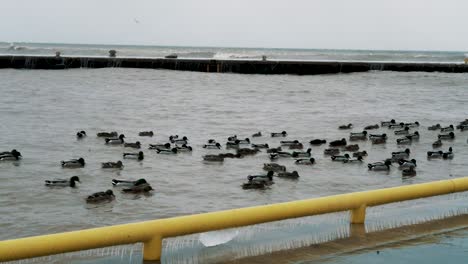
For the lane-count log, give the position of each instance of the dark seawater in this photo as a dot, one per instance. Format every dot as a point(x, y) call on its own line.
point(233, 53)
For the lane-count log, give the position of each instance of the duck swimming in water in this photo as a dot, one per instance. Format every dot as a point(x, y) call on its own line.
point(348, 126)
point(447, 129)
point(379, 140)
point(74, 163)
point(160, 146)
point(410, 172)
point(138, 186)
point(260, 146)
point(258, 181)
point(405, 131)
point(290, 175)
point(81, 134)
point(358, 135)
point(336, 143)
point(331, 151)
point(360, 153)
point(232, 138)
point(400, 125)
point(182, 141)
point(340, 158)
point(136, 145)
point(146, 134)
point(137, 156)
point(414, 124)
point(354, 147)
point(247, 151)
point(434, 154)
point(112, 165)
point(184, 148)
point(401, 154)
point(212, 146)
point(305, 161)
point(449, 154)
point(107, 134)
point(126, 183)
point(216, 158)
point(437, 143)
point(297, 154)
point(289, 142)
point(98, 197)
point(167, 151)
point(10, 155)
point(275, 167)
point(387, 123)
point(258, 134)
point(380, 166)
point(450, 135)
point(413, 136)
point(404, 164)
point(317, 141)
point(404, 140)
point(230, 155)
point(116, 141)
point(434, 127)
point(370, 127)
point(63, 182)
point(280, 134)
point(296, 146)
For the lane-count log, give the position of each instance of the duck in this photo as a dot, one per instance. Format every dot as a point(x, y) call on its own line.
point(280, 134)
point(98, 197)
point(74, 163)
point(216, 158)
point(212, 146)
point(136, 145)
point(358, 135)
point(230, 155)
point(462, 127)
point(184, 148)
point(115, 141)
point(387, 123)
point(63, 182)
point(211, 141)
point(146, 134)
point(182, 141)
point(449, 154)
point(404, 140)
point(253, 185)
point(275, 167)
point(137, 186)
point(434, 154)
point(379, 140)
point(160, 146)
point(81, 134)
point(317, 141)
point(450, 135)
point(243, 141)
point(434, 127)
point(415, 135)
point(12, 155)
point(280, 154)
point(360, 153)
point(414, 124)
point(126, 183)
point(400, 125)
point(232, 138)
point(380, 166)
point(167, 151)
point(405, 131)
point(232, 144)
point(336, 143)
point(297, 154)
point(291, 175)
point(305, 161)
point(348, 126)
point(107, 134)
point(331, 151)
point(173, 137)
point(354, 147)
point(447, 129)
point(260, 146)
point(410, 172)
point(370, 127)
point(274, 150)
point(144, 188)
point(437, 143)
point(407, 163)
point(112, 165)
point(374, 136)
point(401, 154)
point(267, 179)
point(289, 142)
point(356, 160)
point(296, 146)
point(138, 156)
point(340, 158)
point(247, 151)
point(258, 134)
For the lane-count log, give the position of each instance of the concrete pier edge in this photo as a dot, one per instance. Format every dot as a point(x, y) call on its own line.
point(225, 66)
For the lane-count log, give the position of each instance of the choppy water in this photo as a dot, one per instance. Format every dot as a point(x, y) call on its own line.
point(42, 110)
point(232, 53)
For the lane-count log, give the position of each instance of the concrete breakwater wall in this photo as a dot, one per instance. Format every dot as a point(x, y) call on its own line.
point(232, 66)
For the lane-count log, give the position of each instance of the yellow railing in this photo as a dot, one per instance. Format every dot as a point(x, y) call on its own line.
point(151, 233)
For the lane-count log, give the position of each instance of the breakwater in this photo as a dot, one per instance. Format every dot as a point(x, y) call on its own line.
point(230, 66)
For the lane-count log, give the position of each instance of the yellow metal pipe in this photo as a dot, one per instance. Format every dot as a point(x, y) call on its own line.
point(152, 232)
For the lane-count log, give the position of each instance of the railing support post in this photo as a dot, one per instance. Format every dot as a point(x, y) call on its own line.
point(358, 215)
point(152, 249)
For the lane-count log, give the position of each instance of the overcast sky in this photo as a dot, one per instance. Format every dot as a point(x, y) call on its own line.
point(342, 24)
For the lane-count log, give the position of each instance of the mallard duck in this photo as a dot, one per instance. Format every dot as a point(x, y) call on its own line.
point(388, 123)
point(376, 126)
point(305, 161)
point(437, 143)
point(115, 141)
point(414, 124)
point(216, 158)
point(258, 134)
point(296, 146)
point(138, 156)
point(297, 154)
point(280, 134)
point(434, 154)
point(380, 166)
point(379, 140)
point(267, 179)
point(408, 172)
point(354, 147)
point(404, 164)
point(405, 131)
point(80, 134)
point(331, 151)
point(107, 134)
point(404, 140)
point(413, 136)
point(374, 136)
point(288, 142)
point(401, 154)
point(434, 127)
point(167, 151)
point(160, 146)
point(112, 165)
point(317, 141)
point(136, 145)
point(184, 148)
point(340, 158)
point(230, 155)
point(358, 135)
point(247, 151)
point(360, 153)
point(400, 125)
point(126, 183)
point(449, 154)
point(10, 155)
point(101, 197)
point(146, 134)
point(140, 185)
point(63, 182)
point(450, 135)
point(337, 143)
point(173, 137)
point(233, 144)
point(275, 167)
point(74, 163)
point(447, 129)
point(212, 146)
point(348, 126)
point(182, 141)
point(291, 175)
point(260, 146)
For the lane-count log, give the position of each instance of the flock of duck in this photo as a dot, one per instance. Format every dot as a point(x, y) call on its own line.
point(244, 147)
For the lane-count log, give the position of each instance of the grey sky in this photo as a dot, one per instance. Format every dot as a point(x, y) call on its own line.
point(344, 24)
